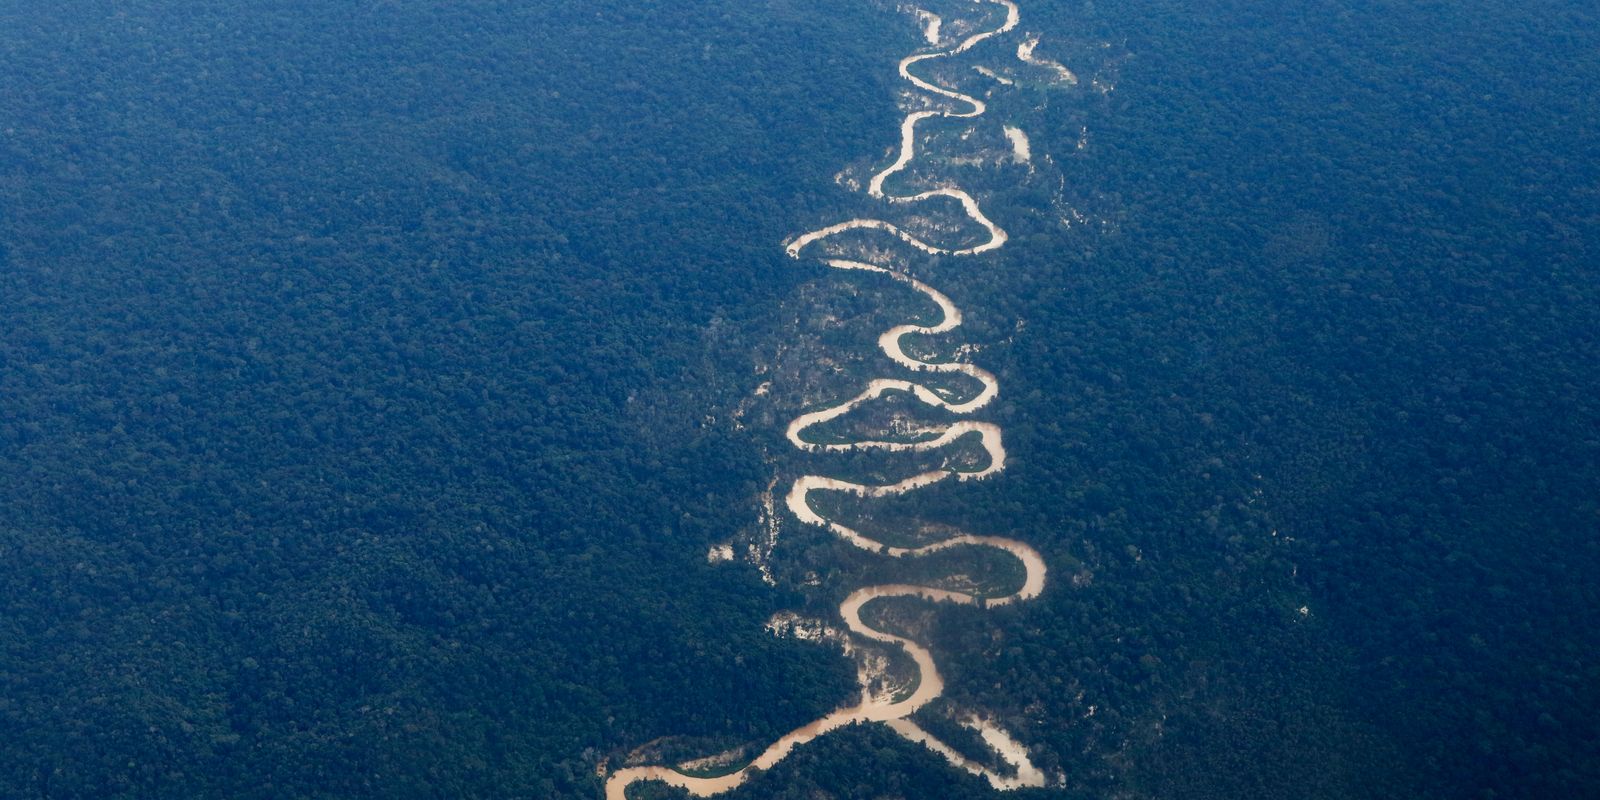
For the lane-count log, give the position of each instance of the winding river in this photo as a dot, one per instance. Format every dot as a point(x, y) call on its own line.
point(895, 711)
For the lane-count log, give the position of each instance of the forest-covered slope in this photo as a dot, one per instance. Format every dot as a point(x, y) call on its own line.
point(368, 375)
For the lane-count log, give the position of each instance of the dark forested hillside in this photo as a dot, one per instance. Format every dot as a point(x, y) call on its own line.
point(1337, 354)
point(367, 376)
point(356, 360)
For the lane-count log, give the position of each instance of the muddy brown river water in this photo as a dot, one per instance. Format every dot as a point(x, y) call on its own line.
point(895, 710)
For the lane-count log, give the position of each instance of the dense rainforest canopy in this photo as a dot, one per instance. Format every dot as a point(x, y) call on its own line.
point(370, 372)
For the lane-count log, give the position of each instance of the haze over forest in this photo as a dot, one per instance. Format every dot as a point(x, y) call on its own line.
point(403, 399)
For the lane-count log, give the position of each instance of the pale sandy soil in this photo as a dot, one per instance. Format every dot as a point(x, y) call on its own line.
point(930, 26)
point(1021, 150)
point(722, 759)
point(994, 76)
point(1012, 753)
point(1025, 55)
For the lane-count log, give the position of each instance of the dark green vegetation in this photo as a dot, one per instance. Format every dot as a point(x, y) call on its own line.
point(355, 365)
point(353, 362)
